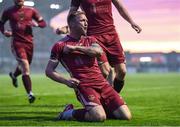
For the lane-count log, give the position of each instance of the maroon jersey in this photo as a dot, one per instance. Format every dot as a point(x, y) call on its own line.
point(20, 20)
point(79, 65)
point(99, 15)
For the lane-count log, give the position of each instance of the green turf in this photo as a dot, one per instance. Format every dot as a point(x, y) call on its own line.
point(154, 100)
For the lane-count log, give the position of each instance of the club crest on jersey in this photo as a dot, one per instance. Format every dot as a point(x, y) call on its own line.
point(21, 16)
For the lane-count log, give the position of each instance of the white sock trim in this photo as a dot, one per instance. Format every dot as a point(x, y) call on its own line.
point(30, 94)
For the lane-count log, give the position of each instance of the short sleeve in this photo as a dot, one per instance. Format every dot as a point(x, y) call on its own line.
point(56, 52)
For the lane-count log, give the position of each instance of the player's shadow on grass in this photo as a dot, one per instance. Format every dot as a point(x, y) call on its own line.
point(32, 112)
point(31, 105)
point(23, 116)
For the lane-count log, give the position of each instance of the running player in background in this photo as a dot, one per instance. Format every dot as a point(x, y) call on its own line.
point(78, 53)
point(101, 26)
point(22, 19)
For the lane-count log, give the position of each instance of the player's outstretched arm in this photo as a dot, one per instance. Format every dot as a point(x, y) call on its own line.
point(124, 13)
point(95, 50)
point(52, 74)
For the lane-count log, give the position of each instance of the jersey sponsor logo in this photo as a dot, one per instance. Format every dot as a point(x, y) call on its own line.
point(100, 8)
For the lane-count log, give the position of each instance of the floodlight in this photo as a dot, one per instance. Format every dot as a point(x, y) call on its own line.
point(29, 3)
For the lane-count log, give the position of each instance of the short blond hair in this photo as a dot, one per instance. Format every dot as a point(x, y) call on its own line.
point(73, 15)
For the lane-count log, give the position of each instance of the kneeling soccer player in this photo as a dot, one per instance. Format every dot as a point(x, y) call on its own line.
point(78, 54)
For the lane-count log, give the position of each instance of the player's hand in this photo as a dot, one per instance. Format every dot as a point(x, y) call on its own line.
point(62, 30)
point(73, 83)
point(69, 48)
point(136, 27)
point(8, 33)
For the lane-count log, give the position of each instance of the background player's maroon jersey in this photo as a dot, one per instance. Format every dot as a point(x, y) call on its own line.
point(20, 20)
point(80, 66)
point(99, 14)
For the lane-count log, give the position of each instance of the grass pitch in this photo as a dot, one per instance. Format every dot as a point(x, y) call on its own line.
point(154, 100)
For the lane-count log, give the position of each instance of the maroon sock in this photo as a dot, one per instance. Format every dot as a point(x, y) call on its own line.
point(17, 72)
point(27, 83)
point(79, 114)
point(118, 85)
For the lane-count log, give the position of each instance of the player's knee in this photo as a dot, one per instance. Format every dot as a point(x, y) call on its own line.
point(127, 116)
point(99, 116)
point(123, 113)
point(25, 73)
point(124, 116)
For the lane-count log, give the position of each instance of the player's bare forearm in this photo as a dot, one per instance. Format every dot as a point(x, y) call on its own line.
point(95, 50)
point(72, 82)
point(55, 76)
point(51, 72)
point(122, 10)
point(124, 13)
point(91, 51)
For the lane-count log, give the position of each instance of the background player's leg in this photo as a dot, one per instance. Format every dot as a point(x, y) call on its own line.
point(115, 105)
point(120, 70)
point(14, 75)
point(27, 80)
point(107, 72)
point(111, 76)
point(17, 72)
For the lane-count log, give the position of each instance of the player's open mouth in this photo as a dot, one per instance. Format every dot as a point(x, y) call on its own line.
point(85, 28)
